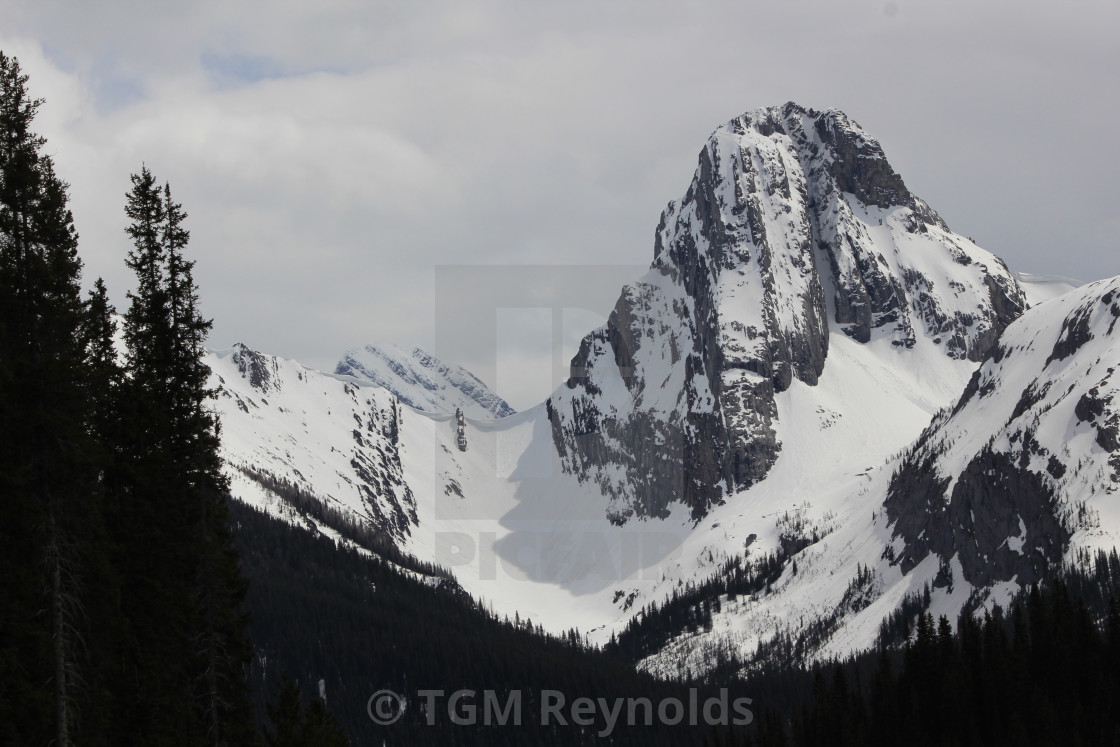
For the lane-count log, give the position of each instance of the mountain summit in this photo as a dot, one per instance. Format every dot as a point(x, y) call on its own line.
point(795, 228)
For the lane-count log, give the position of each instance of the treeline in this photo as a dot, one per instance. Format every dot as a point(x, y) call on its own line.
point(121, 595)
point(689, 608)
point(1044, 671)
point(348, 524)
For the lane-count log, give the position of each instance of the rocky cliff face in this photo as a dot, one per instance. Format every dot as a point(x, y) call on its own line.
point(795, 226)
point(1029, 457)
point(323, 435)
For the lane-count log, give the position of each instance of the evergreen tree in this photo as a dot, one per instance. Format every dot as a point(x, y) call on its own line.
point(104, 379)
point(188, 644)
point(44, 442)
point(103, 386)
point(155, 682)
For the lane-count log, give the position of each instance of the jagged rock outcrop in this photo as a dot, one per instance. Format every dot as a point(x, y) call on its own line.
point(1028, 456)
point(259, 370)
point(460, 430)
point(794, 223)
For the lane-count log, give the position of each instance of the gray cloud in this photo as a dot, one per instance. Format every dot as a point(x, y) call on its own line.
point(332, 158)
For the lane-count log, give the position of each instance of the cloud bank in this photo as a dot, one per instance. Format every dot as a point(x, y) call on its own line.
point(332, 157)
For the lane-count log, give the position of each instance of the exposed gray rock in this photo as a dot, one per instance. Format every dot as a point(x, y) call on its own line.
point(259, 370)
point(672, 401)
point(460, 430)
point(995, 498)
point(376, 464)
point(871, 294)
point(1098, 410)
point(1074, 334)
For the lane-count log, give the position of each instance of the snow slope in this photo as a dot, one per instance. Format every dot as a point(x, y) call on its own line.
point(485, 498)
point(326, 435)
point(1017, 476)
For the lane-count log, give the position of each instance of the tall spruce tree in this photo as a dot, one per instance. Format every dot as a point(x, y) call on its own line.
point(155, 688)
point(103, 370)
point(188, 639)
point(219, 589)
point(102, 559)
point(45, 454)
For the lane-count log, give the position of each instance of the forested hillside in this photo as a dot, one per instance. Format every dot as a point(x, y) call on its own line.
point(323, 612)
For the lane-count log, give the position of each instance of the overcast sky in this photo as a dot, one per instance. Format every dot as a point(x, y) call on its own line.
point(333, 155)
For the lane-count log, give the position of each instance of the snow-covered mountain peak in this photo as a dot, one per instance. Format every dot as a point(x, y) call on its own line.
point(854, 158)
point(423, 382)
point(326, 437)
point(795, 227)
point(257, 369)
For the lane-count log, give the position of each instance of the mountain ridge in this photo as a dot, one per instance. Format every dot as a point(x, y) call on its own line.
point(1001, 469)
point(422, 381)
point(805, 322)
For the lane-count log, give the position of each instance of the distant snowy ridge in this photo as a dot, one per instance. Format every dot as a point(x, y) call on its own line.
point(326, 435)
point(422, 381)
point(1041, 288)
